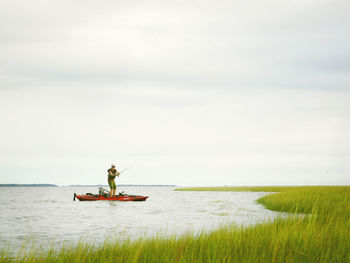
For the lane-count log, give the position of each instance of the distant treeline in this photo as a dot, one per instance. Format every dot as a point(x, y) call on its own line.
point(28, 185)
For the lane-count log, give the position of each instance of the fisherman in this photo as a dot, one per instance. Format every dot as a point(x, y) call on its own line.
point(112, 173)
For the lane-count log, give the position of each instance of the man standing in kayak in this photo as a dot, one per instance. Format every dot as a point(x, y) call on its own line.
point(112, 173)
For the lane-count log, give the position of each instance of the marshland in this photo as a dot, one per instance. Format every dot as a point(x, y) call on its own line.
point(317, 229)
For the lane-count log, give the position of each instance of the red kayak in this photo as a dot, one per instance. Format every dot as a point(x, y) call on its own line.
point(123, 197)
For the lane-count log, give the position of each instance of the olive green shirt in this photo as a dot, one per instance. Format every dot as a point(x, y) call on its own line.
point(113, 172)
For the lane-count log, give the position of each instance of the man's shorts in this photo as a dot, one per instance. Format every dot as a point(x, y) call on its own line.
point(112, 184)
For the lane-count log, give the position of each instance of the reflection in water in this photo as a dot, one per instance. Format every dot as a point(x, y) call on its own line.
point(49, 216)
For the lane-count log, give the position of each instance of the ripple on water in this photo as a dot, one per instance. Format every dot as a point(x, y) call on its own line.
point(59, 219)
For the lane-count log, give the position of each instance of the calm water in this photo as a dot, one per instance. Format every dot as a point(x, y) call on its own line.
point(49, 215)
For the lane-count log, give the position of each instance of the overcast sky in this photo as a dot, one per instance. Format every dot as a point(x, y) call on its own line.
point(189, 92)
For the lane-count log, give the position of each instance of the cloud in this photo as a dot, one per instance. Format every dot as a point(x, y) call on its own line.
point(258, 88)
point(185, 130)
point(232, 43)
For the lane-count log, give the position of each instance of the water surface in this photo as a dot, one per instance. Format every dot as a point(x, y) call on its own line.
point(49, 216)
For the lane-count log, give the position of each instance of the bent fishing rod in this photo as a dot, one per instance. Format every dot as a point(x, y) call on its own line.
point(125, 170)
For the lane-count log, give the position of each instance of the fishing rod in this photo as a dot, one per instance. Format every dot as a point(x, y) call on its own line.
point(125, 169)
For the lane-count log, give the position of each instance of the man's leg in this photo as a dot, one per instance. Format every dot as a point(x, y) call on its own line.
point(110, 188)
point(114, 188)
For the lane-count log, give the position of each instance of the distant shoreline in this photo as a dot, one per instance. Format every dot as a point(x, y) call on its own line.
point(83, 185)
point(28, 185)
point(103, 185)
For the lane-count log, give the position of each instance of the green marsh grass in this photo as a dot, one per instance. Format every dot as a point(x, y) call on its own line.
point(323, 235)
